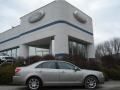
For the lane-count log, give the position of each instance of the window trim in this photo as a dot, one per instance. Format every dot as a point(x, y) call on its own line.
point(66, 63)
point(56, 67)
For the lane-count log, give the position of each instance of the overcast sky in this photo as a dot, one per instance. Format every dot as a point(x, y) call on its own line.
point(105, 14)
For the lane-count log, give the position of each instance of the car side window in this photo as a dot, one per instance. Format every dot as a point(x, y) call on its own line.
point(51, 65)
point(63, 65)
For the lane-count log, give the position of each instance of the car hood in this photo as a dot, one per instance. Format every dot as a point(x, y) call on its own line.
point(90, 71)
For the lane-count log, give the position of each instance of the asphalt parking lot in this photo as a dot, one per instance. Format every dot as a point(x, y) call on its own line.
point(110, 85)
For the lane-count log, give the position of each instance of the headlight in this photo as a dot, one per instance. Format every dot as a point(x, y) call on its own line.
point(101, 75)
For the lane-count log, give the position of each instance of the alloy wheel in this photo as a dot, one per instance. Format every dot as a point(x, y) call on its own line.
point(33, 83)
point(90, 82)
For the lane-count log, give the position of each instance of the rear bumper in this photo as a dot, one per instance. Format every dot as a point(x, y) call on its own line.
point(18, 80)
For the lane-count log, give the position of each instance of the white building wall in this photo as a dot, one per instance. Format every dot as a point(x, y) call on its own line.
point(24, 51)
point(58, 15)
point(61, 44)
point(91, 51)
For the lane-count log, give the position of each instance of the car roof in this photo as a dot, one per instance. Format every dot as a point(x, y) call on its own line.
point(4, 56)
point(37, 63)
point(51, 61)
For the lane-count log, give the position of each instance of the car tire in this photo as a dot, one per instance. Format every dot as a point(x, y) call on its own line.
point(34, 83)
point(90, 82)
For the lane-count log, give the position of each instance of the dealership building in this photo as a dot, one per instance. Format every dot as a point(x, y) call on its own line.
point(57, 28)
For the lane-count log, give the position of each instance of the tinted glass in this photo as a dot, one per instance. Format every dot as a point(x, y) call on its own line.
point(8, 57)
point(63, 65)
point(51, 65)
point(77, 48)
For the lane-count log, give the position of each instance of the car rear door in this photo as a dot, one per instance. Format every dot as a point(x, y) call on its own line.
point(49, 73)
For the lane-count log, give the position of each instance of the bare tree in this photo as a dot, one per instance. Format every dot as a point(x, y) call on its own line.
point(116, 45)
point(108, 48)
point(100, 51)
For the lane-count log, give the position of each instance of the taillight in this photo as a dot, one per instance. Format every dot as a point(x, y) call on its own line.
point(17, 69)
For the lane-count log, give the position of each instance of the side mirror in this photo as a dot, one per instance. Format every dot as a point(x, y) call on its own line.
point(76, 69)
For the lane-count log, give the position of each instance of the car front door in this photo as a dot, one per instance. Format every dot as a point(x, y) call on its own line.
point(68, 75)
point(49, 73)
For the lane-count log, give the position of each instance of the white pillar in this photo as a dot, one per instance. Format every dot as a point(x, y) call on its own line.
point(52, 47)
point(61, 44)
point(24, 51)
point(91, 51)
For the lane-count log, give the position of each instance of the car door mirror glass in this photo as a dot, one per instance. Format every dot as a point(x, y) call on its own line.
point(76, 69)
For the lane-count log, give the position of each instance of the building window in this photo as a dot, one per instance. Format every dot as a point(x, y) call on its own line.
point(14, 54)
point(11, 52)
point(38, 51)
point(77, 48)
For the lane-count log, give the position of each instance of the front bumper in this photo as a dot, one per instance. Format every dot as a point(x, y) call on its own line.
point(101, 80)
point(18, 80)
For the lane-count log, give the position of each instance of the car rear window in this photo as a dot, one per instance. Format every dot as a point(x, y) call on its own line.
point(51, 65)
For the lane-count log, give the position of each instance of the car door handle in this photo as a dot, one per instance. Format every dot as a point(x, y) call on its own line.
point(63, 71)
point(40, 71)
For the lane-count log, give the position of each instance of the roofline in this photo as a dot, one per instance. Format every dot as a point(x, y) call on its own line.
point(41, 8)
point(37, 9)
point(78, 9)
point(10, 29)
point(53, 2)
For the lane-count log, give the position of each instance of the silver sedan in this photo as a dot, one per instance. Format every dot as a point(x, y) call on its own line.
point(56, 73)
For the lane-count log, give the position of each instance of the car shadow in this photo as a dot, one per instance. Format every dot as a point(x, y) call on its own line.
point(62, 88)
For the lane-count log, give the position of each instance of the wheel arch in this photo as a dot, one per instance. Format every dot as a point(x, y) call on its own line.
point(90, 76)
point(34, 76)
